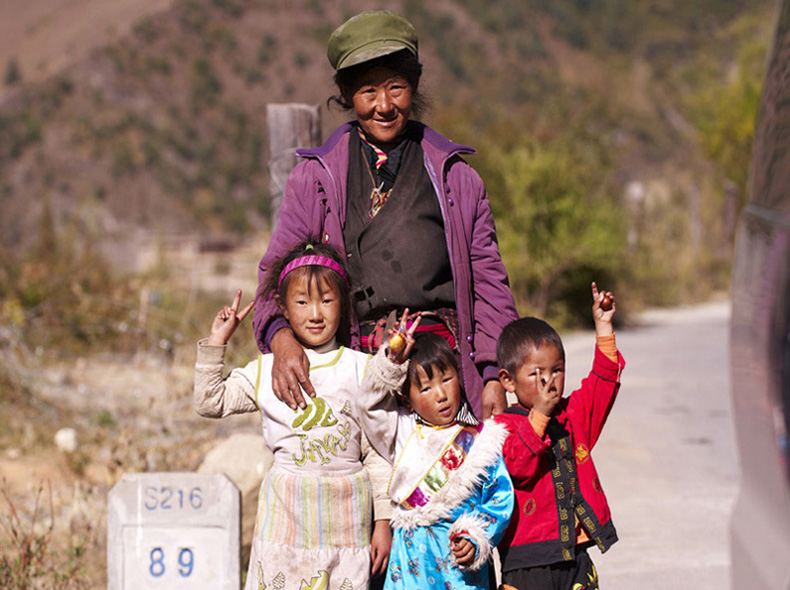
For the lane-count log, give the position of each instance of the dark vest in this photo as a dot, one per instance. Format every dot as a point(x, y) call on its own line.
point(399, 258)
point(570, 505)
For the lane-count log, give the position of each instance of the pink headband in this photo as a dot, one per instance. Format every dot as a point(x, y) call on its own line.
point(312, 260)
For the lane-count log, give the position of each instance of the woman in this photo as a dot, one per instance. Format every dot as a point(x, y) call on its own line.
point(411, 217)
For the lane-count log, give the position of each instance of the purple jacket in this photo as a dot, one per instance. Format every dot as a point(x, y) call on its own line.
point(315, 204)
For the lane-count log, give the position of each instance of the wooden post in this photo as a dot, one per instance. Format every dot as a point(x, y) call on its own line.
point(290, 126)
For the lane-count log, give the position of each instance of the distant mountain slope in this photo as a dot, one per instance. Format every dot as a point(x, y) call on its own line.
point(41, 37)
point(163, 130)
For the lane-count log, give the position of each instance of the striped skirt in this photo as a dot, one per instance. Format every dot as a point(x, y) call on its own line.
point(312, 532)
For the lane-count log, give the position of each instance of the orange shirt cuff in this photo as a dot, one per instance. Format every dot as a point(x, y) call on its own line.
point(608, 346)
point(539, 422)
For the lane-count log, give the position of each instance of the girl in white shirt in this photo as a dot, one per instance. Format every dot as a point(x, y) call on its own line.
point(315, 508)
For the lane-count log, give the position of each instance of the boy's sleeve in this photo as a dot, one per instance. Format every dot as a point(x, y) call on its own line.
point(487, 524)
point(589, 406)
point(523, 447)
point(215, 397)
point(608, 346)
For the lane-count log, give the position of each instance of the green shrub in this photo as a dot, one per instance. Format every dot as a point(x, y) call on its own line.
point(234, 8)
point(13, 75)
point(206, 87)
point(554, 227)
point(194, 16)
point(267, 50)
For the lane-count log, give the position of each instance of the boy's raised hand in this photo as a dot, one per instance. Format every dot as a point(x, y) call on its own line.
point(227, 320)
point(402, 339)
point(601, 315)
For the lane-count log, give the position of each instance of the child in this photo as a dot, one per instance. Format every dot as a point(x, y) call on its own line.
point(562, 509)
point(452, 495)
point(314, 509)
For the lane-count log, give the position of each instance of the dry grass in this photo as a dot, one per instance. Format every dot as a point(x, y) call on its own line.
point(128, 397)
point(38, 552)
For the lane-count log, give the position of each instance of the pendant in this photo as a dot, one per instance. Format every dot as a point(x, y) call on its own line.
point(377, 199)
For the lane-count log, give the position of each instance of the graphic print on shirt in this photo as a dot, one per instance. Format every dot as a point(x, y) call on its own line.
point(318, 582)
point(278, 583)
point(318, 445)
point(582, 453)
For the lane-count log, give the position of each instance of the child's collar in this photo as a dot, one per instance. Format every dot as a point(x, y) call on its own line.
point(326, 347)
point(423, 422)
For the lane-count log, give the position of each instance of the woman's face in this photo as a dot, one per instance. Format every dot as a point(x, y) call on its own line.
point(382, 104)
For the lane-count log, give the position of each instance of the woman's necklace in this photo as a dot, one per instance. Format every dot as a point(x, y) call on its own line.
point(378, 196)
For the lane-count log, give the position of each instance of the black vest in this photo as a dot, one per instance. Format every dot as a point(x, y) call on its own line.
point(570, 504)
point(399, 258)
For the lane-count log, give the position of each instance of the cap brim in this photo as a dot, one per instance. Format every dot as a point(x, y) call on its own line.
point(372, 51)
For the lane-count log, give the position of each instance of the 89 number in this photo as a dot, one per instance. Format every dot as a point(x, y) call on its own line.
point(186, 561)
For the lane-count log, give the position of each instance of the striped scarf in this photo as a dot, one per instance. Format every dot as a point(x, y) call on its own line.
point(378, 196)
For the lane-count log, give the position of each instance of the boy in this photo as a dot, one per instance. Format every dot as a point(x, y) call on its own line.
point(561, 507)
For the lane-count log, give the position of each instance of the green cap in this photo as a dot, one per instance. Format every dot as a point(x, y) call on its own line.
point(369, 35)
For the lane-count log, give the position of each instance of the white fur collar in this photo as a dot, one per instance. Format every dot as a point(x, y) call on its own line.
point(485, 451)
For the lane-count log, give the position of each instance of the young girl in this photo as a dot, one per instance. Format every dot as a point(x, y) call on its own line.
point(451, 492)
point(314, 510)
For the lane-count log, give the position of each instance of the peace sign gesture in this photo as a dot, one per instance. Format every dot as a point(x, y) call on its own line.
point(402, 339)
point(227, 320)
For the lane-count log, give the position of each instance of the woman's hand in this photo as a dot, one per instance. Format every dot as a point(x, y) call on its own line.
point(493, 400)
point(227, 320)
point(380, 544)
point(290, 370)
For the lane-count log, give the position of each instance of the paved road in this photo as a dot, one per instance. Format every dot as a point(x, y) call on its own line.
point(667, 455)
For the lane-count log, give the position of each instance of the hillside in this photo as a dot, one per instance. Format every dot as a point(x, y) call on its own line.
point(618, 135)
point(41, 37)
point(613, 137)
point(162, 131)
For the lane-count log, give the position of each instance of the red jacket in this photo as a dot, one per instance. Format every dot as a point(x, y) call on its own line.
point(554, 476)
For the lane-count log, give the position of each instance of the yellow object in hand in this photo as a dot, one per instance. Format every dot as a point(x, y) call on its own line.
point(397, 342)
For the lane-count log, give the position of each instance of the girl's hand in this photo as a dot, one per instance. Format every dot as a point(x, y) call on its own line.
point(463, 551)
point(549, 395)
point(227, 320)
point(380, 544)
point(602, 317)
point(402, 340)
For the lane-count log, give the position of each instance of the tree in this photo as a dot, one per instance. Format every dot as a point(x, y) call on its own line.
point(556, 229)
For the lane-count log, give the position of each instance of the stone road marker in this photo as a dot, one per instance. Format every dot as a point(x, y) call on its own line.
point(173, 530)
